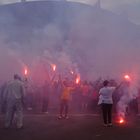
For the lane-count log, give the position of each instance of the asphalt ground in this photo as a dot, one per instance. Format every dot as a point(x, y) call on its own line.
point(77, 127)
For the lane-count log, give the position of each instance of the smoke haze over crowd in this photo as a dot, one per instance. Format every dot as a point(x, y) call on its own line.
point(88, 40)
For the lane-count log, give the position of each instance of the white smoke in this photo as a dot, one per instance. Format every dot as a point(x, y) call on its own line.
point(128, 94)
point(94, 46)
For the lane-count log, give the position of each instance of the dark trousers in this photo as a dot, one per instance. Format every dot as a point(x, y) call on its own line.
point(45, 104)
point(64, 107)
point(107, 113)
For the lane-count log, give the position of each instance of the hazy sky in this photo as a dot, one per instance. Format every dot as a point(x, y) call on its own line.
point(130, 7)
point(104, 42)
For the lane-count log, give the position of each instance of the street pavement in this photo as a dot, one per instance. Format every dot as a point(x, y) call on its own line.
point(77, 127)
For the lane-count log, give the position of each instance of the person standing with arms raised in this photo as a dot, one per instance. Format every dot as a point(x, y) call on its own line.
point(106, 102)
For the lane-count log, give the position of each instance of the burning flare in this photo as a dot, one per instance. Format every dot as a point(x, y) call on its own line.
point(77, 79)
point(71, 72)
point(54, 67)
point(127, 77)
point(121, 121)
point(25, 71)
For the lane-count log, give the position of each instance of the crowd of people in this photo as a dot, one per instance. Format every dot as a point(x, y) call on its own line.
point(64, 96)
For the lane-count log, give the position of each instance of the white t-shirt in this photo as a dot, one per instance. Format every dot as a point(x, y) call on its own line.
point(106, 95)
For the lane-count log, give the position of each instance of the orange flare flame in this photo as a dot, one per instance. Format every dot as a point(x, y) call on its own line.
point(121, 121)
point(77, 80)
point(54, 67)
point(127, 77)
point(25, 71)
point(72, 72)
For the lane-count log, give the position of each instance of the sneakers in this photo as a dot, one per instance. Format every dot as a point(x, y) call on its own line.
point(60, 117)
point(66, 117)
point(46, 112)
point(110, 125)
point(63, 117)
point(29, 108)
point(105, 125)
point(20, 127)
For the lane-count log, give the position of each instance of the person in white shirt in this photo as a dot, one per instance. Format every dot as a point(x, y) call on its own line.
point(106, 101)
point(13, 96)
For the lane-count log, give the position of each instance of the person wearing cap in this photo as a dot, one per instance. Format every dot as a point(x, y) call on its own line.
point(13, 96)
